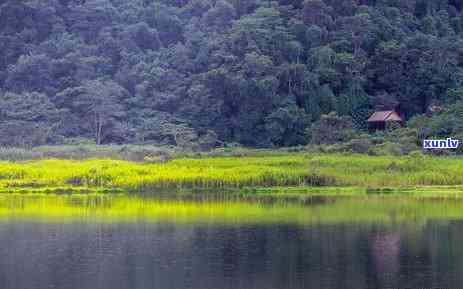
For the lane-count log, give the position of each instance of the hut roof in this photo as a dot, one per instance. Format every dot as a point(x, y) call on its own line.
point(383, 116)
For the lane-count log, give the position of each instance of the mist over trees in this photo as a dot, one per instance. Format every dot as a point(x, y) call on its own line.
point(253, 72)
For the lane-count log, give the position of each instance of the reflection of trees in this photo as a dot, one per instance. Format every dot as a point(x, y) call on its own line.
point(121, 256)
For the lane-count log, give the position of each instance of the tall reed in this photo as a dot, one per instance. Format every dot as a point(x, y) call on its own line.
point(290, 169)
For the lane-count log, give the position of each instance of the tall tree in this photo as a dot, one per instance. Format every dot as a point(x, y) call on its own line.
point(99, 105)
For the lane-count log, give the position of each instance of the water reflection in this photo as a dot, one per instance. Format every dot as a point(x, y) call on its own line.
point(85, 253)
point(385, 253)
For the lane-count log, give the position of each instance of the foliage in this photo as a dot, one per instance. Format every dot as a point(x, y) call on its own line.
point(28, 119)
point(331, 129)
point(201, 73)
point(83, 150)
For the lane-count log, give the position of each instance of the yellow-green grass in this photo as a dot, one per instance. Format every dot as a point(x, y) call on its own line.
point(119, 208)
point(306, 173)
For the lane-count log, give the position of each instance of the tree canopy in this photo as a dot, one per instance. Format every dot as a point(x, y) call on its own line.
point(253, 72)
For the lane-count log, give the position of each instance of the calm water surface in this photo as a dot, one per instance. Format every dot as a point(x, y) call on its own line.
point(415, 245)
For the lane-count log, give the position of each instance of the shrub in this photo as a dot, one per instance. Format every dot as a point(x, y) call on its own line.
point(386, 149)
point(331, 129)
point(360, 145)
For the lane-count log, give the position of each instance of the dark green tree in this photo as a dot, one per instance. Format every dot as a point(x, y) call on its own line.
point(28, 119)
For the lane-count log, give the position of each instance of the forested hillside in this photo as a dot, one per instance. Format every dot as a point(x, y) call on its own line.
point(254, 72)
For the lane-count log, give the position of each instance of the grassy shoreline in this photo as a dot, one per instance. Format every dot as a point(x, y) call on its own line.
point(298, 194)
point(271, 174)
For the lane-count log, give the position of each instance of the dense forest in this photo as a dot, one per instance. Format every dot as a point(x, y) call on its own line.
point(254, 72)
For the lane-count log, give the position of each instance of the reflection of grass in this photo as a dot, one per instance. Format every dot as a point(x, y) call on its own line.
point(123, 208)
point(273, 170)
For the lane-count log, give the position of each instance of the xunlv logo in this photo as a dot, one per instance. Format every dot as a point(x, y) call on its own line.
point(440, 143)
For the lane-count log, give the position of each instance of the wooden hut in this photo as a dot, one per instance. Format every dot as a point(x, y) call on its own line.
point(380, 119)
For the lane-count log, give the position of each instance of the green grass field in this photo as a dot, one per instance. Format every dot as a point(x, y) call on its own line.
point(302, 172)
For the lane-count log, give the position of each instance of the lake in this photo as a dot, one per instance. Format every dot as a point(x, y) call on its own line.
point(119, 242)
